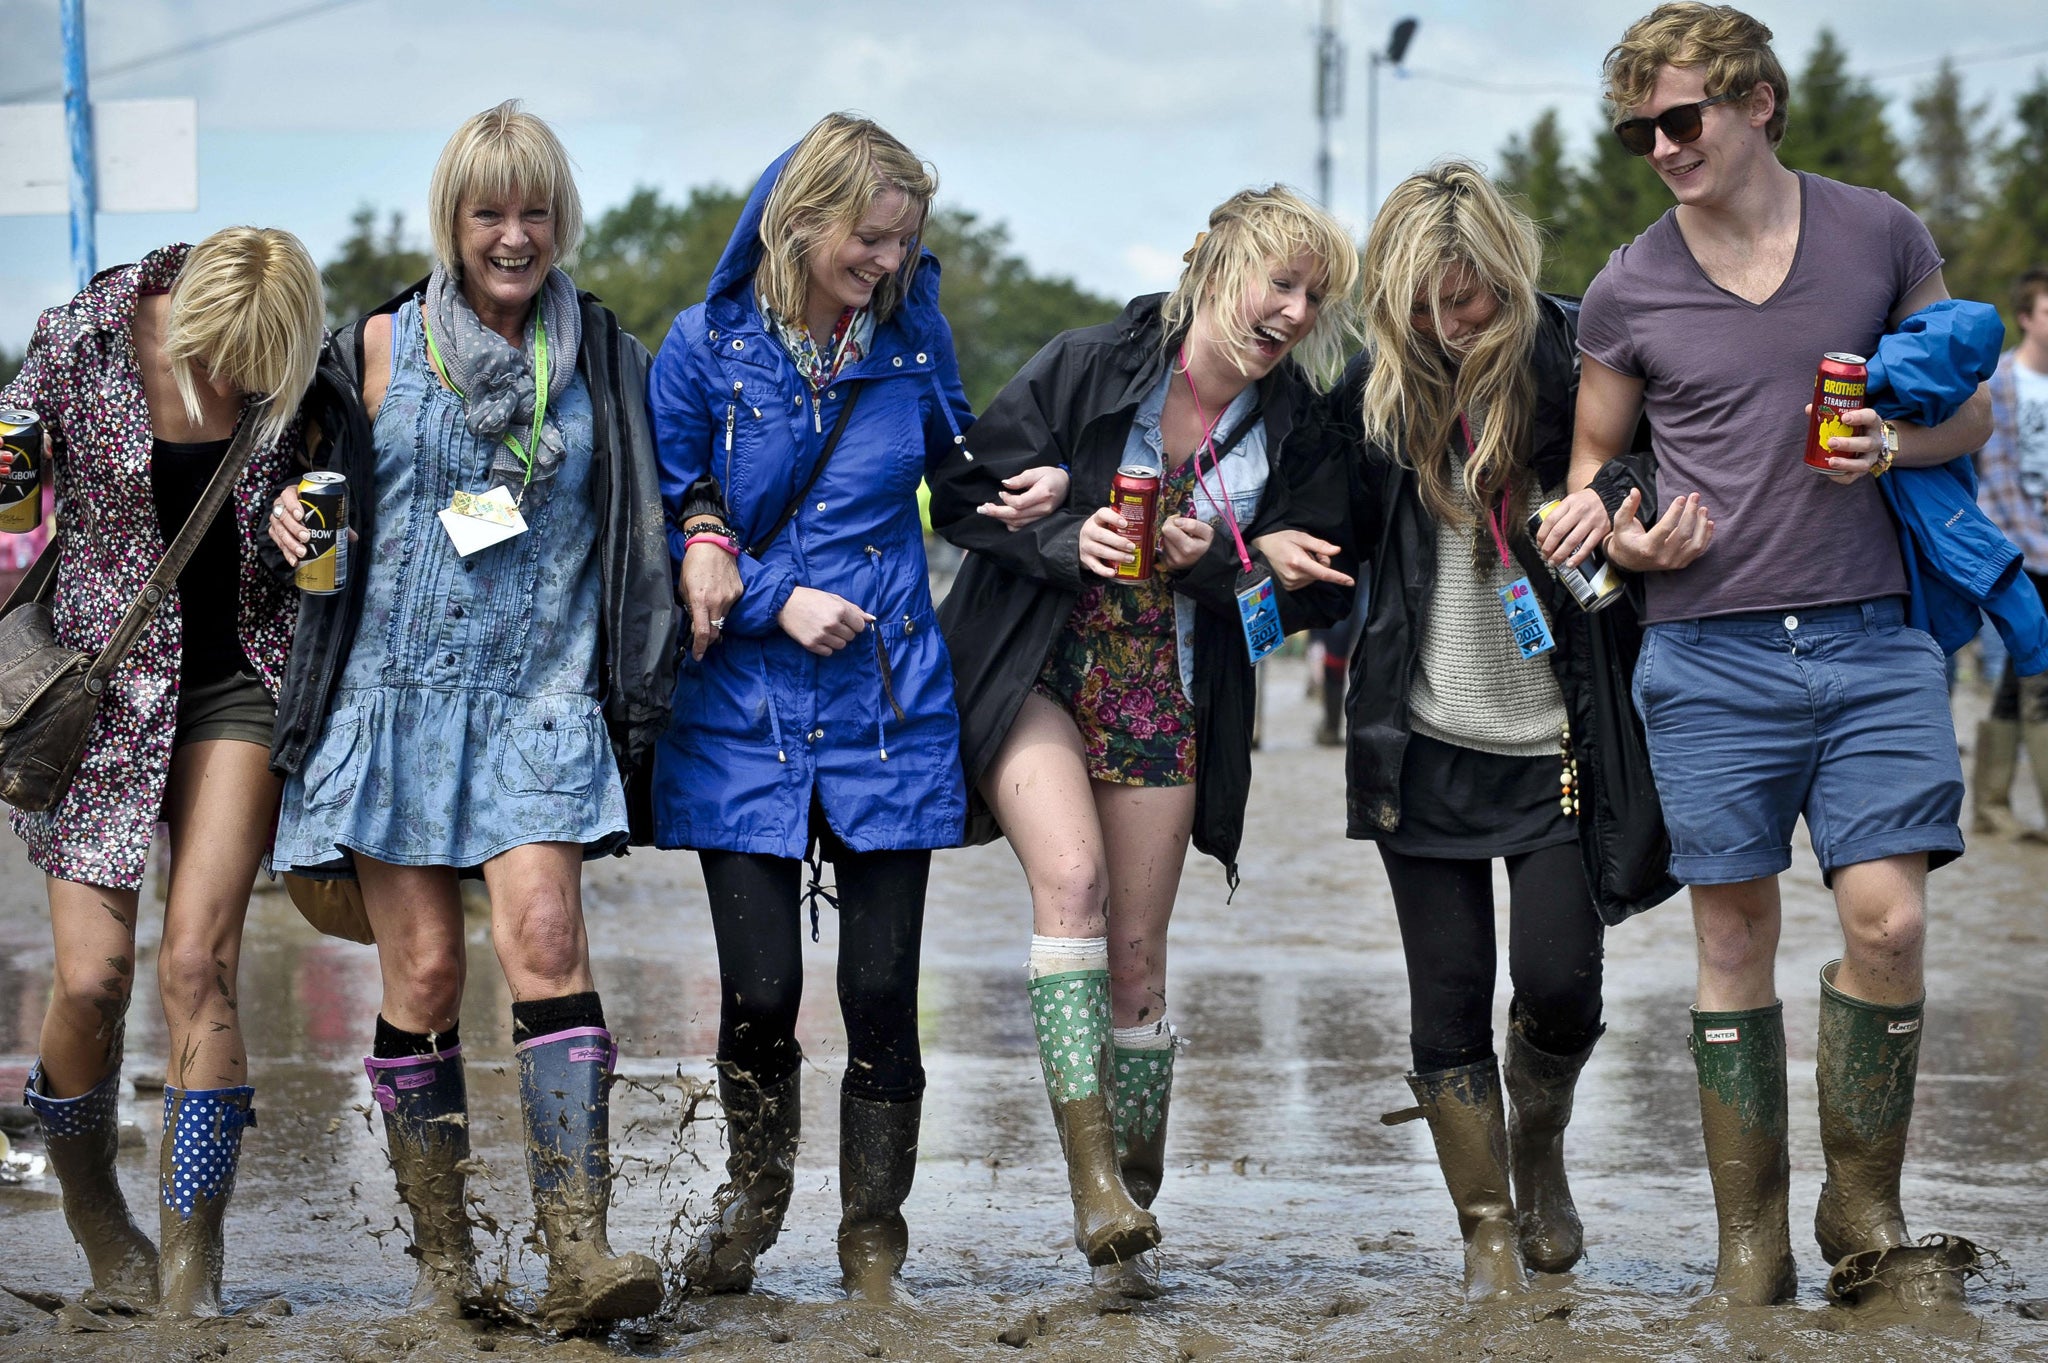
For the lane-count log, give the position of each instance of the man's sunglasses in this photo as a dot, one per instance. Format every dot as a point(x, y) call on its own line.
point(1681, 123)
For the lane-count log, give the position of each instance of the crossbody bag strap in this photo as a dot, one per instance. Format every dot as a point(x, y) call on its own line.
point(180, 551)
point(35, 583)
point(760, 546)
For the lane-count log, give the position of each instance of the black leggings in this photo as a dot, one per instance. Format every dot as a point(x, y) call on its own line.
point(1446, 913)
point(757, 918)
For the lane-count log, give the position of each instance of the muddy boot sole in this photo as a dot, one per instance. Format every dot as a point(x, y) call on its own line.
point(1925, 1278)
point(622, 1288)
point(870, 1256)
point(1132, 1280)
point(1119, 1242)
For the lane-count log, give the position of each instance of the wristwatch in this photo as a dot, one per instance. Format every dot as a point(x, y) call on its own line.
point(1889, 451)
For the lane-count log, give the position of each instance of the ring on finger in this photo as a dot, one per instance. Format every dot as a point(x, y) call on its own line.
point(718, 624)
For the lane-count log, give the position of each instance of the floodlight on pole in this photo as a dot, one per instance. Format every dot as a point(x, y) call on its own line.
point(1396, 52)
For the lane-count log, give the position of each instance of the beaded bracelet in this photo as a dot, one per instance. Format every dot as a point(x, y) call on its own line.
point(708, 526)
point(725, 542)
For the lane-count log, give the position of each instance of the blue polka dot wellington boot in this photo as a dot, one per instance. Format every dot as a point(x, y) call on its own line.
point(81, 1137)
point(202, 1145)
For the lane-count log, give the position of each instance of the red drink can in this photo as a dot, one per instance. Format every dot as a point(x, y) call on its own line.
point(1843, 381)
point(1134, 492)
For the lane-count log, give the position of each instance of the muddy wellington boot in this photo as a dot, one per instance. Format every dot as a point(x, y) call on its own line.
point(81, 1137)
point(1470, 1130)
point(1868, 1059)
point(1540, 1088)
point(564, 1088)
point(1142, 1083)
point(877, 1162)
point(426, 1125)
point(1070, 1012)
point(202, 1144)
point(1740, 1057)
point(762, 1128)
point(1991, 772)
point(2036, 740)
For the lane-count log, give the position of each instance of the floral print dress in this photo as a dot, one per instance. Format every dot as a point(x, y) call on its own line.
point(82, 376)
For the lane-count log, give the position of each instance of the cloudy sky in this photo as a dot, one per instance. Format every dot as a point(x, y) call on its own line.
point(1100, 131)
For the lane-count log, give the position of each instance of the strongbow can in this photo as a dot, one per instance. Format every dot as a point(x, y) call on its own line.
point(323, 498)
point(21, 487)
point(1134, 492)
point(1840, 386)
point(1592, 584)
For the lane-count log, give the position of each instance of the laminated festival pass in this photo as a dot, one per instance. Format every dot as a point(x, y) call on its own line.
point(1525, 618)
point(1260, 612)
point(476, 521)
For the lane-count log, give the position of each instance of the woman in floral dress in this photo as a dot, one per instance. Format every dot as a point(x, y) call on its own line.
point(141, 382)
point(1105, 722)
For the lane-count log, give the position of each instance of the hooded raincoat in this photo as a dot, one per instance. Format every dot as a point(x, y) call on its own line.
point(762, 727)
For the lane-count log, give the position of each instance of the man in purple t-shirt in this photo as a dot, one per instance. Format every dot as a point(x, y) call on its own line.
point(1777, 677)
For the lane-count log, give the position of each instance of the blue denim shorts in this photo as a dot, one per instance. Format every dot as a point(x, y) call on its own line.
point(1839, 713)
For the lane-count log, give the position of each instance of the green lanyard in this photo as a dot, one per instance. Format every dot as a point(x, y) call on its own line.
point(540, 389)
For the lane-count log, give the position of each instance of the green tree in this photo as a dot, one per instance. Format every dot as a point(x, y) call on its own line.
point(1949, 143)
point(1536, 171)
point(370, 268)
point(1836, 125)
point(10, 365)
point(649, 259)
point(2011, 236)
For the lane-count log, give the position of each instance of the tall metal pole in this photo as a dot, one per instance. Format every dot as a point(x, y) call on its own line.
point(1372, 137)
point(78, 123)
point(1329, 94)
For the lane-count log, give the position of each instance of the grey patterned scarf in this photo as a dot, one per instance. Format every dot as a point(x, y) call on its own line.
point(495, 378)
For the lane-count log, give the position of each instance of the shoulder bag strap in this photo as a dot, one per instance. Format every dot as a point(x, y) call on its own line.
point(760, 546)
point(180, 551)
point(35, 583)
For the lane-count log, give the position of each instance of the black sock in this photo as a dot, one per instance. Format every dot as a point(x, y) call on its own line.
point(545, 1017)
point(395, 1043)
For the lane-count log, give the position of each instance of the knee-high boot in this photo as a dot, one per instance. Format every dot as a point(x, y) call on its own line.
point(1070, 1012)
point(564, 1088)
point(1143, 1095)
point(762, 1130)
point(425, 1099)
point(202, 1146)
point(1540, 1088)
point(877, 1164)
point(1469, 1128)
point(82, 1137)
point(1740, 1057)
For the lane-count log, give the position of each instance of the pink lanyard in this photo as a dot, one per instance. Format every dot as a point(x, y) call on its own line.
point(1208, 433)
point(1496, 517)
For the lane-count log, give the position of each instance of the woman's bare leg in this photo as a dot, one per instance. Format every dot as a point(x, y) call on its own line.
point(1145, 831)
point(1038, 787)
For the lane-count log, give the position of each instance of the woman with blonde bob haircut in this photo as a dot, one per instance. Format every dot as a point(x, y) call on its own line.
point(1105, 722)
point(142, 383)
point(472, 701)
point(1467, 739)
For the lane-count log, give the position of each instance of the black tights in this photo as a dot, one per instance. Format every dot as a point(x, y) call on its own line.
point(757, 918)
point(1446, 913)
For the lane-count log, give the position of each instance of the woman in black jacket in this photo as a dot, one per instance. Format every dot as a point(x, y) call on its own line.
point(1102, 722)
point(1469, 741)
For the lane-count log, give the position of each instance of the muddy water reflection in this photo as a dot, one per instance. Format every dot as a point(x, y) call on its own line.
point(1297, 1225)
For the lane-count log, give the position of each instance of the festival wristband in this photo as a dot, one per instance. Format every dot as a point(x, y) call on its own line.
point(722, 541)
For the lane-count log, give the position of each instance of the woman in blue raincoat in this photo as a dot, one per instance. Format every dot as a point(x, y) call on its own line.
point(816, 383)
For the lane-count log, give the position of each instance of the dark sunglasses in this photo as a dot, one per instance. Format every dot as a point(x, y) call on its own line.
point(1681, 123)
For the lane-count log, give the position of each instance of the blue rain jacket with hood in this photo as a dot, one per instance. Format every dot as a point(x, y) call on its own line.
point(761, 726)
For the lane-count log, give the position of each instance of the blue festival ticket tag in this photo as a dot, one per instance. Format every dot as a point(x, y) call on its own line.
point(1525, 619)
point(1260, 613)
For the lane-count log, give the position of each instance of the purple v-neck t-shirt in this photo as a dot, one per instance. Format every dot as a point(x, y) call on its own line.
point(1726, 383)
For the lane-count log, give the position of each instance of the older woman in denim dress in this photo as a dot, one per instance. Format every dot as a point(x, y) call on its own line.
point(465, 729)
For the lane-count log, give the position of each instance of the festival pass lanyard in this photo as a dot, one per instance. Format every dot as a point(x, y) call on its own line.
point(476, 521)
point(1517, 599)
point(1257, 609)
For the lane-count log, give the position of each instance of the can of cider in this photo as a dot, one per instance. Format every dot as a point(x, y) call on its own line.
point(1841, 385)
point(1592, 583)
point(1134, 492)
point(323, 501)
point(21, 487)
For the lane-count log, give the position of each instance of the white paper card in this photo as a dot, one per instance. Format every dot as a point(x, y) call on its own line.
point(476, 523)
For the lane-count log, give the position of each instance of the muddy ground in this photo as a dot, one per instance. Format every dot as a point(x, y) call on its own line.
point(1296, 1225)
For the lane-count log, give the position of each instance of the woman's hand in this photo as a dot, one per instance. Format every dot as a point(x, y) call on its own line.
point(820, 621)
point(1104, 549)
point(1679, 536)
point(1575, 529)
point(1031, 496)
point(288, 525)
point(1298, 558)
point(707, 586)
point(1182, 542)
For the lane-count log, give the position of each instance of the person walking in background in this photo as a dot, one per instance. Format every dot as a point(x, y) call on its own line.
point(1778, 676)
point(2012, 487)
point(501, 654)
point(815, 384)
point(1103, 721)
point(145, 382)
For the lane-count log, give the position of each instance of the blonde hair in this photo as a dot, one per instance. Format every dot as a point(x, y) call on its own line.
point(1732, 47)
point(1248, 233)
point(247, 307)
point(837, 172)
point(1448, 217)
point(496, 155)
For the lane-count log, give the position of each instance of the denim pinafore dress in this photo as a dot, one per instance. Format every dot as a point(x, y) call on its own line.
point(466, 721)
